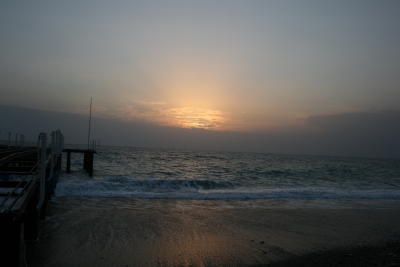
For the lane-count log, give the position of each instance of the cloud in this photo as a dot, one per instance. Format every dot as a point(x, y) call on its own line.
point(358, 122)
point(149, 103)
point(368, 133)
point(159, 113)
point(373, 134)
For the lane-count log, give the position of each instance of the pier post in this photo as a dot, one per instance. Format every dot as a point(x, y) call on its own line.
point(31, 218)
point(42, 204)
point(42, 211)
point(12, 245)
point(68, 162)
point(58, 165)
point(88, 159)
point(85, 160)
point(89, 168)
point(31, 225)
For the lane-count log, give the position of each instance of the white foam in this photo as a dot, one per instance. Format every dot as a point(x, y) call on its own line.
point(205, 189)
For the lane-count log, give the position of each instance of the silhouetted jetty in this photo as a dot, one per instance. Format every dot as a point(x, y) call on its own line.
point(28, 178)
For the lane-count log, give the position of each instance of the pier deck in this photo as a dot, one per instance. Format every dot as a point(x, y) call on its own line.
point(18, 173)
point(28, 177)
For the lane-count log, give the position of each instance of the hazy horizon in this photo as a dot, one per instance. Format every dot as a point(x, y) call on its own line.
point(372, 135)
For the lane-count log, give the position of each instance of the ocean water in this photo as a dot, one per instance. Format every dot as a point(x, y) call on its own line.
point(207, 175)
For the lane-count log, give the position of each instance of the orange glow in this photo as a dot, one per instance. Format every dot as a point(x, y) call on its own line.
point(185, 117)
point(195, 118)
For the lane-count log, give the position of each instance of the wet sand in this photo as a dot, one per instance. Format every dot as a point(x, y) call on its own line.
point(135, 232)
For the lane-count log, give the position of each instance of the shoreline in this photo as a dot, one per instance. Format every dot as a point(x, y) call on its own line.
point(160, 232)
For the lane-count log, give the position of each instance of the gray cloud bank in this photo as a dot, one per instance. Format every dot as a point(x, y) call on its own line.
point(372, 134)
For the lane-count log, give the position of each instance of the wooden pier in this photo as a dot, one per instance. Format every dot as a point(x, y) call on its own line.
point(28, 178)
point(87, 159)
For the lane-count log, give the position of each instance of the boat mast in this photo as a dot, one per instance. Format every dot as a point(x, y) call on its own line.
point(90, 118)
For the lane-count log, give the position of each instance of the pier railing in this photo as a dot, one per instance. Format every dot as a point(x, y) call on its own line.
point(10, 143)
point(28, 177)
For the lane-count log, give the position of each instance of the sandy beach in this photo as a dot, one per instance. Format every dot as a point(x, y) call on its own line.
point(147, 232)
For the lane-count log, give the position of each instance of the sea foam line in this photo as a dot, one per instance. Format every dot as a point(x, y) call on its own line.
point(204, 189)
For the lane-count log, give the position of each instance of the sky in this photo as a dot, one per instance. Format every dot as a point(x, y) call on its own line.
point(319, 70)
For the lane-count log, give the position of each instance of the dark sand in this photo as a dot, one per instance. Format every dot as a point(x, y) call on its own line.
point(134, 232)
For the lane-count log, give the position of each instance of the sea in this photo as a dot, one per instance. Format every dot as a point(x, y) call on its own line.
point(150, 173)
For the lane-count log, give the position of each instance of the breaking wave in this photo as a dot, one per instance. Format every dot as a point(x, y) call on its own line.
point(207, 189)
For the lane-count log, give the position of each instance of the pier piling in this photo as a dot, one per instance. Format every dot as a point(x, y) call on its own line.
point(68, 170)
point(88, 155)
point(12, 243)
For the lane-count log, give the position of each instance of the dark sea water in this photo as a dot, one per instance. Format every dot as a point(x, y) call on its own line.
point(201, 175)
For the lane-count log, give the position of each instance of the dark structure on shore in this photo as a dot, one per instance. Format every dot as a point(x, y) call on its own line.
point(28, 178)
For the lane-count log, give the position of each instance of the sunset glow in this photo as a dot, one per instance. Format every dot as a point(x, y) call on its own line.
point(158, 113)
